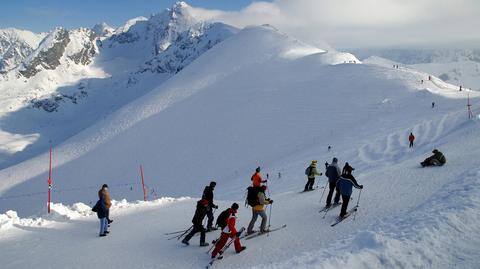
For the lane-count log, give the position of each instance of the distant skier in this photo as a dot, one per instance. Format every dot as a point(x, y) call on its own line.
point(311, 172)
point(411, 138)
point(257, 179)
point(108, 201)
point(345, 184)
point(101, 209)
point(257, 200)
point(433, 104)
point(437, 159)
point(333, 174)
point(197, 220)
point(229, 231)
point(208, 195)
point(329, 148)
point(347, 169)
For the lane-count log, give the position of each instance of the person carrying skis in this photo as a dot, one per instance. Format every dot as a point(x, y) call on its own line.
point(333, 174)
point(311, 172)
point(229, 231)
point(411, 138)
point(257, 179)
point(108, 201)
point(101, 209)
point(347, 169)
point(258, 209)
point(197, 220)
point(437, 159)
point(345, 184)
point(208, 195)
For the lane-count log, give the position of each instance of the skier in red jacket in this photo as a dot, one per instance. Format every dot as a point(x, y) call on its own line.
point(411, 138)
point(229, 231)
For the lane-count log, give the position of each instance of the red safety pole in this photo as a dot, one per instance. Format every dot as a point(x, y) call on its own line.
point(143, 184)
point(49, 181)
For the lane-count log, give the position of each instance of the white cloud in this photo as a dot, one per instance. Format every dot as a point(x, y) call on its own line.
point(357, 23)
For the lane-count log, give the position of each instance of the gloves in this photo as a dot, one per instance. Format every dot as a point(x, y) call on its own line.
point(271, 201)
point(265, 181)
point(215, 206)
point(361, 186)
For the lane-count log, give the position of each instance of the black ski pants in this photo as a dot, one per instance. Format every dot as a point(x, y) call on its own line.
point(332, 185)
point(345, 199)
point(309, 185)
point(210, 217)
point(197, 228)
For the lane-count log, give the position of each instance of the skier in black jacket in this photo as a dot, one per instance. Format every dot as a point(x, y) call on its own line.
point(208, 195)
point(197, 220)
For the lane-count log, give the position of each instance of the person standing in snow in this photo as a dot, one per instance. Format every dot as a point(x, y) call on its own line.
point(101, 209)
point(433, 104)
point(197, 221)
point(259, 210)
point(229, 231)
point(333, 174)
point(257, 179)
point(311, 172)
point(347, 169)
point(108, 200)
point(208, 195)
point(345, 184)
point(411, 138)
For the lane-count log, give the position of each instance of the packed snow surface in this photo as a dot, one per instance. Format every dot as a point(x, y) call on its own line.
point(261, 98)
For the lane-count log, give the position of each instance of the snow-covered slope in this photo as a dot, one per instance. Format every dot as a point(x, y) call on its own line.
point(262, 98)
point(456, 66)
point(79, 72)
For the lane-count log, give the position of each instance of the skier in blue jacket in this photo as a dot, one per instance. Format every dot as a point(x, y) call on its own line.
point(345, 184)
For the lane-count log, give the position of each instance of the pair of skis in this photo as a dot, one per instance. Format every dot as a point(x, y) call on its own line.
point(349, 212)
point(313, 189)
point(251, 236)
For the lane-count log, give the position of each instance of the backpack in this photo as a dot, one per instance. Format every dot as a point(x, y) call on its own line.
point(252, 196)
point(222, 219)
point(308, 171)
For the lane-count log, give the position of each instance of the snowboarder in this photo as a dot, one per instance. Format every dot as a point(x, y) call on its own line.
point(333, 174)
point(411, 138)
point(197, 220)
point(208, 195)
point(345, 184)
point(229, 231)
point(347, 169)
point(101, 209)
point(258, 208)
point(108, 201)
point(437, 159)
point(311, 172)
point(257, 179)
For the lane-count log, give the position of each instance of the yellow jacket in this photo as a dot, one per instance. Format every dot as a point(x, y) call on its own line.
point(263, 201)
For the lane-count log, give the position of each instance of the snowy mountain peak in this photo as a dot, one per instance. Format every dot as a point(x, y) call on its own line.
point(103, 29)
point(15, 46)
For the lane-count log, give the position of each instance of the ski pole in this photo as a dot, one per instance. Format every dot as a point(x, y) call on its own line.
point(180, 236)
point(358, 201)
point(323, 192)
point(177, 232)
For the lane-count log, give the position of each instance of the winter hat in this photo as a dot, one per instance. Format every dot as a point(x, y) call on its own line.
point(213, 183)
point(234, 207)
point(257, 169)
point(334, 160)
point(264, 187)
point(104, 186)
point(435, 151)
point(314, 162)
point(204, 202)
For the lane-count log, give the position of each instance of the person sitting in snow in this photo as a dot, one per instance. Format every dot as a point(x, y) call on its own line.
point(437, 159)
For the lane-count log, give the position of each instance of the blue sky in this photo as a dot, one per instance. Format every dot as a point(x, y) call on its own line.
point(43, 15)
